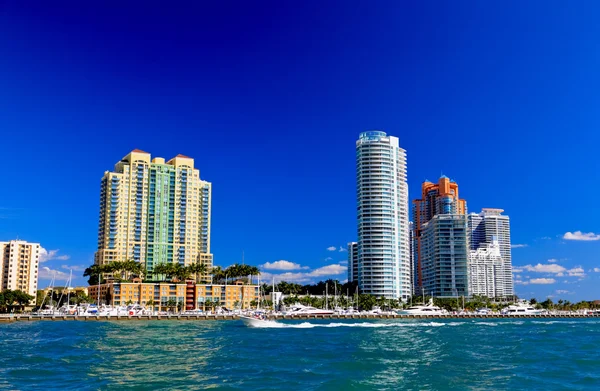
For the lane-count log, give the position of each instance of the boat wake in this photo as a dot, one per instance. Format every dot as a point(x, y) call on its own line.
point(307, 325)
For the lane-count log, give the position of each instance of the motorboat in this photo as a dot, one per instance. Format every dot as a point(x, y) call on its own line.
point(428, 309)
point(484, 311)
point(300, 310)
point(258, 319)
point(521, 308)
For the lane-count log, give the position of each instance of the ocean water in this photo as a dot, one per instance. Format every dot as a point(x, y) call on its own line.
point(441, 354)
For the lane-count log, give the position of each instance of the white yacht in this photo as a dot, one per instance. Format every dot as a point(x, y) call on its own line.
point(257, 319)
point(428, 309)
point(299, 309)
point(521, 308)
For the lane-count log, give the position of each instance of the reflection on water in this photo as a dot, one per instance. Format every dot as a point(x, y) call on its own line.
point(316, 355)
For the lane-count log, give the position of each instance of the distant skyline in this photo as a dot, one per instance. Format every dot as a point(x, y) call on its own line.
point(269, 101)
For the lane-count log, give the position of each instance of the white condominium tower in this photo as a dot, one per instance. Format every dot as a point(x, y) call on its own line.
point(486, 271)
point(19, 262)
point(384, 268)
point(489, 227)
point(154, 212)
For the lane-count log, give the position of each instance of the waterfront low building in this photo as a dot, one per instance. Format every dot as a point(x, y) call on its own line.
point(19, 262)
point(162, 296)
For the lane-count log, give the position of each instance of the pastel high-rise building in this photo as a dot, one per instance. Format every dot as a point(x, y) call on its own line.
point(352, 261)
point(19, 264)
point(383, 224)
point(436, 199)
point(154, 212)
point(489, 227)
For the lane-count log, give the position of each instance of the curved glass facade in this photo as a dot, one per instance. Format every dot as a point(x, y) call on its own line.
point(383, 231)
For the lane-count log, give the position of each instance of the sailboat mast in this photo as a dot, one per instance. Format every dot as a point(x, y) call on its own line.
point(69, 289)
point(259, 294)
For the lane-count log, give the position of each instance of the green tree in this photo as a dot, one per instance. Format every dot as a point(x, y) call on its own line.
point(171, 304)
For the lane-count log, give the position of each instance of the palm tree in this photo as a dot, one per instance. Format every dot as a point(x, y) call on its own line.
point(218, 274)
point(254, 271)
point(198, 269)
point(171, 304)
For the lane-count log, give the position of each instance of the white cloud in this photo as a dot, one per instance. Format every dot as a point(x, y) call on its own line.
point(552, 260)
point(578, 235)
point(342, 249)
point(46, 255)
point(542, 281)
point(47, 274)
point(517, 269)
point(331, 248)
point(283, 265)
point(521, 282)
point(596, 269)
point(306, 277)
point(562, 292)
point(343, 262)
point(328, 259)
point(75, 268)
point(518, 245)
point(576, 272)
point(550, 268)
point(329, 269)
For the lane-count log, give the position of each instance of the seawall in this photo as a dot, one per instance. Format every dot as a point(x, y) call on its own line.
point(91, 318)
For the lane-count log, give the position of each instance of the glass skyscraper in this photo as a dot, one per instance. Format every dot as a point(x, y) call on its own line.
point(384, 268)
point(440, 240)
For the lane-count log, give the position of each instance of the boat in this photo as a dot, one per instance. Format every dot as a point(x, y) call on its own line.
point(521, 308)
point(300, 310)
point(257, 321)
point(428, 309)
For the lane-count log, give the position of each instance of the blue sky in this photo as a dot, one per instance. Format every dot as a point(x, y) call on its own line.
point(269, 100)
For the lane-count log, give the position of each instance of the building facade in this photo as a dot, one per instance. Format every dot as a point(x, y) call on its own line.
point(436, 199)
point(383, 223)
point(154, 212)
point(352, 261)
point(162, 296)
point(19, 264)
point(491, 227)
point(445, 251)
point(486, 271)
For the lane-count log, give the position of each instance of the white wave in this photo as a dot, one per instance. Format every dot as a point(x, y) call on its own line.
point(307, 325)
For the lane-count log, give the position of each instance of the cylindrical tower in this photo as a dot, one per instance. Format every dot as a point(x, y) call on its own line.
point(383, 224)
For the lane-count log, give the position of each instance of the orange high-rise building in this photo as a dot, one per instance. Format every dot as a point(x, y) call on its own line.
point(440, 198)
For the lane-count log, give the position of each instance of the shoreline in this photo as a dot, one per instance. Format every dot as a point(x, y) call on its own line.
point(25, 318)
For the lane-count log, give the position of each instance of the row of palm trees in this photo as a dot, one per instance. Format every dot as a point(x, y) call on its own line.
point(235, 271)
point(170, 271)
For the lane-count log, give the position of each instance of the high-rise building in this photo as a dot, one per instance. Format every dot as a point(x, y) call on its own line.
point(19, 263)
point(444, 256)
point(154, 212)
point(352, 261)
point(383, 237)
point(488, 227)
point(486, 271)
point(436, 199)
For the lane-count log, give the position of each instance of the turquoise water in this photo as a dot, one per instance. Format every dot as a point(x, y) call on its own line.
point(492, 354)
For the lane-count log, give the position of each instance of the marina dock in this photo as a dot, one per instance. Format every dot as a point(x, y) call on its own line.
point(6, 318)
